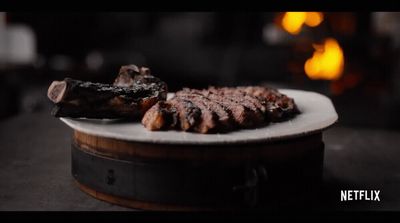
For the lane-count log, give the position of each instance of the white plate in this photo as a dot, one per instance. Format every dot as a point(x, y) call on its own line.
point(317, 114)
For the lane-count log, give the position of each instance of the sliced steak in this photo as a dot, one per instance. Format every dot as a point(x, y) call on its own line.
point(161, 116)
point(244, 99)
point(242, 115)
point(279, 106)
point(209, 119)
point(223, 109)
point(189, 114)
point(225, 118)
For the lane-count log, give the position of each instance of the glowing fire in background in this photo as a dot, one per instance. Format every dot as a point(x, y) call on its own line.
point(292, 22)
point(327, 61)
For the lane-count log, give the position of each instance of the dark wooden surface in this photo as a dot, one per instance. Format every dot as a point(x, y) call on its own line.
point(35, 167)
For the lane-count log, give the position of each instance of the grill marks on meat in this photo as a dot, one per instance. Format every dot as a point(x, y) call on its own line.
point(161, 116)
point(222, 109)
point(279, 106)
point(223, 115)
point(251, 103)
point(209, 118)
point(188, 113)
point(240, 114)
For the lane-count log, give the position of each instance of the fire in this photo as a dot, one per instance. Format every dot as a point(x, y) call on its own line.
point(327, 61)
point(313, 19)
point(293, 21)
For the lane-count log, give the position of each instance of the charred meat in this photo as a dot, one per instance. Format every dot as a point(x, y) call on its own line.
point(221, 109)
point(131, 95)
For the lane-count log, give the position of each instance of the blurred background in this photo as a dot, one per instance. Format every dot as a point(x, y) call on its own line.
point(351, 57)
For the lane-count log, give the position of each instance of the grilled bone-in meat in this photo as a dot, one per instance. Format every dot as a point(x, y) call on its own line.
point(221, 109)
point(130, 96)
point(130, 76)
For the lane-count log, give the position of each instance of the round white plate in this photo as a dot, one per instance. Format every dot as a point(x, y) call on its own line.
point(317, 114)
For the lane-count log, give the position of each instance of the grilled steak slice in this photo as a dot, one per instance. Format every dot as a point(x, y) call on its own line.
point(177, 112)
point(225, 119)
point(279, 106)
point(209, 118)
point(234, 116)
point(221, 109)
point(161, 116)
point(241, 114)
point(246, 100)
point(258, 102)
point(189, 114)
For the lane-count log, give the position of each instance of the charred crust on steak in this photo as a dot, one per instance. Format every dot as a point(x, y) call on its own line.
point(279, 106)
point(239, 113)
point(209, 118)
point(226, 108)
point(131, 75)
point(225, 119)
point(188, 114)
point(242, 98)
point(161, 116)
point(132, 94)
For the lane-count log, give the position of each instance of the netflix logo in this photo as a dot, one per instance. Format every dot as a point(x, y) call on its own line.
point(360, 195)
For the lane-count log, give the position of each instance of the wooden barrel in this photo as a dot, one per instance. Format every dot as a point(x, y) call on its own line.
point(196, 177)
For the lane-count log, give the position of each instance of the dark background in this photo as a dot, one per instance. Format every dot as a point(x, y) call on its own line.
point(201, 49)
point(197, 50)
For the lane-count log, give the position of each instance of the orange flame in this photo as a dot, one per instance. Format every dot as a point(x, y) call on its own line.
point(292, 22)
point(313, 19)
point(327, 61)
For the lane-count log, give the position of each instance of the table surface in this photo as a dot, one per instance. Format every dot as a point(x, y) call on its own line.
point(35, 167)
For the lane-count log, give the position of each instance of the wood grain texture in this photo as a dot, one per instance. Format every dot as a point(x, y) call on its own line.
point(214, 169)
point(128, 150)
point(142, 205)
